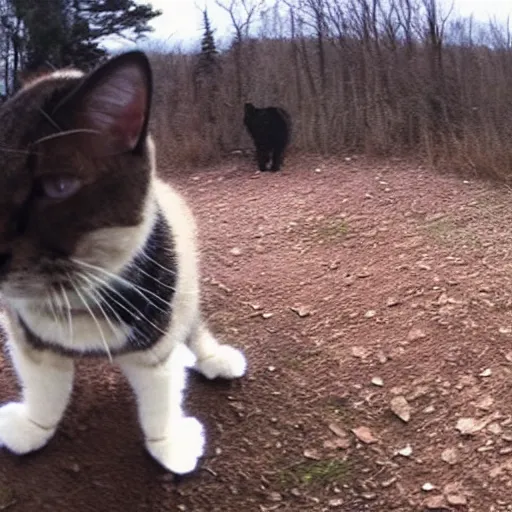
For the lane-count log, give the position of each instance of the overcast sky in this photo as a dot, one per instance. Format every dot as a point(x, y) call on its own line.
point(181, 21)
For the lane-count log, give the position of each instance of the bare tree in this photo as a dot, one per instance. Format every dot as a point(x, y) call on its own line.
point(242, 14)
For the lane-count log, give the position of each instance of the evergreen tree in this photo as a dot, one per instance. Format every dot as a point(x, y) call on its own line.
point(208, 47)
point(68, 32)
point(207, 63)
point(206, 72)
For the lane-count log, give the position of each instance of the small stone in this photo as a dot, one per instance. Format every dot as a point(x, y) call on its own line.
point(416, 334)
point(338, 443)
point(418, 392)
point(301, 311)
point(392, 301)
point(377, 381)
point(436, 503)
point(267, 315)
point(360, 352)
point(275, 496)
point(337, 430)
point(389, 482)
point(271, 368)
point(401, 408)
point(336, 502)
point(405, 452)
point(486, 373)
point(369, 495)
point(381, 357)
point(443, 299)
point(495, 428)
point(71, 468)
point(236, 251)
point(466, 381)
point(427, 487)
point(370, 313)
point(312, 454)
point(450, 456)
point(486, 403)
point(364, 434)
point(457, 500)
point(469, 426)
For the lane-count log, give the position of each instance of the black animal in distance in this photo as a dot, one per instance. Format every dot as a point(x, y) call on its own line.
point(270, 129)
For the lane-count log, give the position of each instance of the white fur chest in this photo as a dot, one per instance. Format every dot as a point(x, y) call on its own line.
point(81, 331)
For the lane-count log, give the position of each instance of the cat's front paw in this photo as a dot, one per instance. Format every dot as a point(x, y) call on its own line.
point(18, 433)
point(182, 449)
point(227, 362)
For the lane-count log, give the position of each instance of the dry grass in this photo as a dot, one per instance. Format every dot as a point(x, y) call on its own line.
point(356, 76)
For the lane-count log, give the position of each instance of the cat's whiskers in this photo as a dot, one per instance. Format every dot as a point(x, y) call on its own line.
point(106, 297)
point(138, 289)
point(68, 307)
point(93, 316)
point(119, 319)
point(134, 309)
point(64, 134)
point(156, 263)
point(53, 305)
point(139, 269)
point(94, 297)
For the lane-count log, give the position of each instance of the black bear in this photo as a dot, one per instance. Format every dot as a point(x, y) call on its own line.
point(270, 129)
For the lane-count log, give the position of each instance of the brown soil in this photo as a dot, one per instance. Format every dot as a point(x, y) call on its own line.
point(329, 274)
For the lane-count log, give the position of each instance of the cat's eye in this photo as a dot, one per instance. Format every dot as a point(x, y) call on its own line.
point(60, 186)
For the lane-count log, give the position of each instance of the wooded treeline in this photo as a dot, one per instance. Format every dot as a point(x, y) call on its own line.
point(381, 77)
point(38, 35)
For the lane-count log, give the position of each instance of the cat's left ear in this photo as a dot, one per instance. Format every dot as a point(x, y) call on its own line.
point(113, 104)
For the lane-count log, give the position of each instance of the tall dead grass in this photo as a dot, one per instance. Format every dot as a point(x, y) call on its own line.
point(383, 77)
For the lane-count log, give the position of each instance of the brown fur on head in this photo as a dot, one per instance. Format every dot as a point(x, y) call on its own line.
point(75, 173)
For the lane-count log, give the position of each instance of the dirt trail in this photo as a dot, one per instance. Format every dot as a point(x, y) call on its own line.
point(355, 287)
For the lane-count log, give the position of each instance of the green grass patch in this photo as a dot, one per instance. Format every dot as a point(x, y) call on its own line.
point(313, 473)
point(331, 230)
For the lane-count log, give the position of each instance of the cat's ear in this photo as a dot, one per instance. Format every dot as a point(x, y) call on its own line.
point(112, 104)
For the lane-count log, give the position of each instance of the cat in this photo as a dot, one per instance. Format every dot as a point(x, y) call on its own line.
point(269, 128)
point(98, 257)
